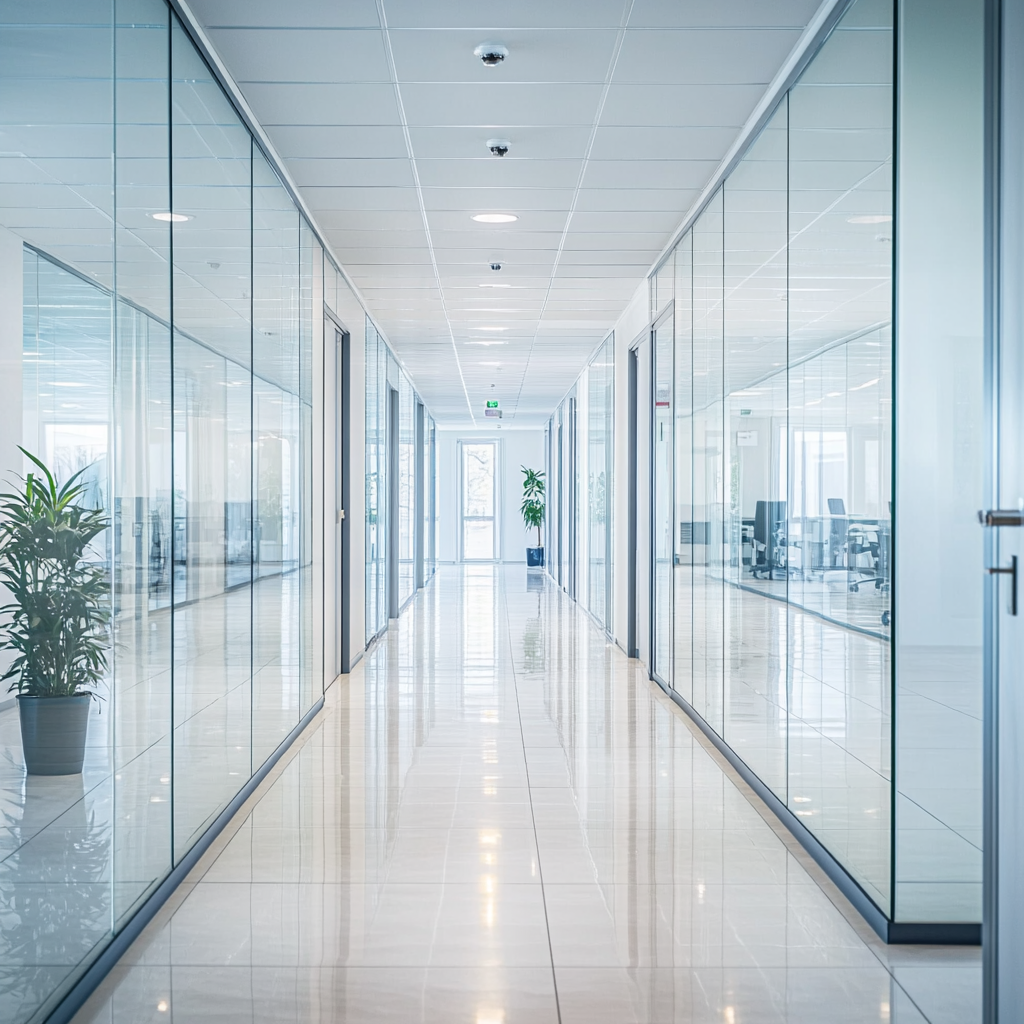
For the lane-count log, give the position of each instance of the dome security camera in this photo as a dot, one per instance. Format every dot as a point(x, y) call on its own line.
point(495, 266)
point(499, 147)
point(492, 54)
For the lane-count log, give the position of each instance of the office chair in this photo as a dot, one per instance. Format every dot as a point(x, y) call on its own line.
point(768, 546)
point(838, 529)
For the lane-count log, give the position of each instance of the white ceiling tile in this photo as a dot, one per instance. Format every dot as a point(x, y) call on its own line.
point(353, 172)
point(381, 142)
point(615, 142)
point(494, 172)
point(273, 13)
point(722, 14)
point(496, 104)
point(695, 105)
point(352, 198)
point(620, 199)
point(492, 15)
point(718, 57)
point(333, 221)
point(303, 55)
point(292, 103)
point(505, 200)
point(648, 174)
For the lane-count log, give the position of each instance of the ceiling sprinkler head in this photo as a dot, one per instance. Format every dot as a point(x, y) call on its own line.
point(495, 266)
point(499, 147)
point(492, 54)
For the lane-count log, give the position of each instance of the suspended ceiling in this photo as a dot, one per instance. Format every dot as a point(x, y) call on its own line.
point(617, 114)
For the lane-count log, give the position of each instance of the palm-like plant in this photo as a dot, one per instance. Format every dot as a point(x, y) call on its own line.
point(532, 508)
point(57, 621)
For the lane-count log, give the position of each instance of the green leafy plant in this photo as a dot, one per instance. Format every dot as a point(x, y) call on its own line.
point(532, 508)
point(57, 622)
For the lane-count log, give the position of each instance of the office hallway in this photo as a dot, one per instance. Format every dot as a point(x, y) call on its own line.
point(497, 819)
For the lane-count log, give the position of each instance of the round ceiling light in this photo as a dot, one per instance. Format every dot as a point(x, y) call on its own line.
point(494, 218)
point(870, 218)
point(173, 218)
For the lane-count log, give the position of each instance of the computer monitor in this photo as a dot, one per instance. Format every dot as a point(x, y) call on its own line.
point(836, 507)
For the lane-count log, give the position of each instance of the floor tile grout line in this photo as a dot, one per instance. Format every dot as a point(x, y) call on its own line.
point(529, 792)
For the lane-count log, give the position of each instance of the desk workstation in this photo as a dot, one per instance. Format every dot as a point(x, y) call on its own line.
point(836, 553)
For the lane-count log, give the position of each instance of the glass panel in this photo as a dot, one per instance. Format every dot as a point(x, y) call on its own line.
point(280, 421)
point(688, 543)
point(709, 626)
point(406, 489)
point(376, 492)
point(755, 385)
point(661, 480)
point(211, 176)
point(62, 841)
point(140, 709)
point(840, 412)
point(941, 412)
point(600, 456)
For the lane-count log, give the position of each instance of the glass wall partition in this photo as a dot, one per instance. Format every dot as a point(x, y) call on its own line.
point(779, 400)
point(166, 350)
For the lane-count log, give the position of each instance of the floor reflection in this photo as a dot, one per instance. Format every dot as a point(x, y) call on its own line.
point(498, 819)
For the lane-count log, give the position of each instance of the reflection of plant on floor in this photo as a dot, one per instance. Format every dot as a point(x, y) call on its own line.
point(57, 621)
point(56, 916)
point(533, 642)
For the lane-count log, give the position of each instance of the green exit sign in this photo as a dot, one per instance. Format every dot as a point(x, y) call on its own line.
point(492, 403)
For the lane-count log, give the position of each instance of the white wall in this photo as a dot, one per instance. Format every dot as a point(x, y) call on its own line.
point(517, 448)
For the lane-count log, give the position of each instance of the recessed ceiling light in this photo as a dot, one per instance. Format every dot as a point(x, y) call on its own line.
point(495, 286)
point(490, 328)
point(486, 342)
point(67, 384)
point(870, 218)
point(173, 218)
point(494, 218)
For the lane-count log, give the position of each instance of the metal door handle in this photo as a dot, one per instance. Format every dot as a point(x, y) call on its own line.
point(1001, 517)
point(1011, 571)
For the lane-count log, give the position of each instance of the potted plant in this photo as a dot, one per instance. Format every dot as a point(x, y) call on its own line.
point(532, 511)
point(57, 621)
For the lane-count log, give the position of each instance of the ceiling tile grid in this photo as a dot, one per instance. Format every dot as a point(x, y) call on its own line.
point(616, 113)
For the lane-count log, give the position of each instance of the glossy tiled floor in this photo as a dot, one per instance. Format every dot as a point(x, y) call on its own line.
point(496, 820)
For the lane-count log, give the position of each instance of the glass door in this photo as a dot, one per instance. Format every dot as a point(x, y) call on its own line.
point(479, 504)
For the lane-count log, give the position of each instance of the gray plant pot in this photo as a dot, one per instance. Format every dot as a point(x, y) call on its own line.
point(53, 733)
